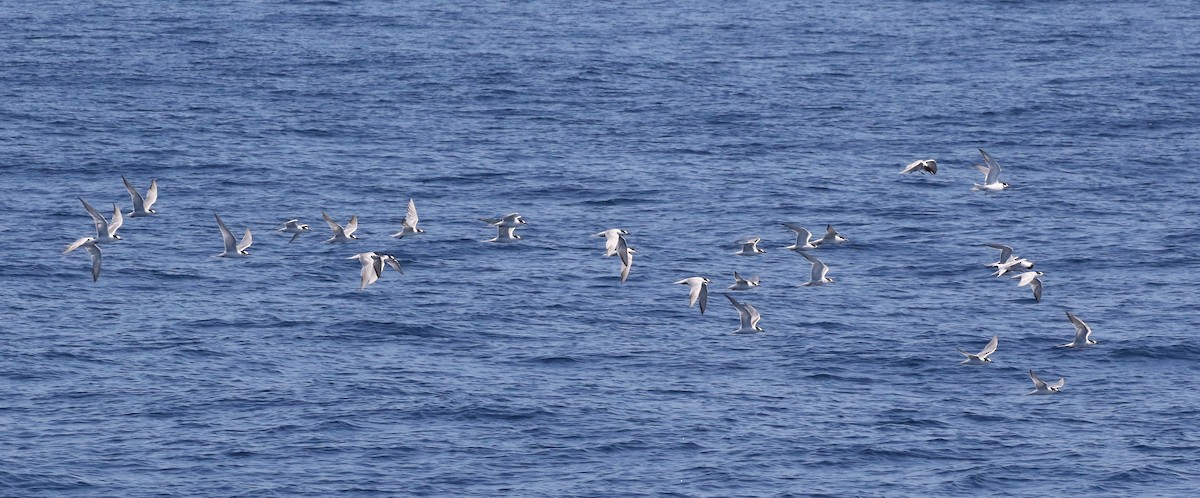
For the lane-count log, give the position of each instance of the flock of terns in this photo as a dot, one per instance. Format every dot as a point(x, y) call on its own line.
point(373, 263)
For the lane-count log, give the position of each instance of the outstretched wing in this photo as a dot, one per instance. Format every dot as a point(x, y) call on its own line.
point(993, 172)
point(246, 241)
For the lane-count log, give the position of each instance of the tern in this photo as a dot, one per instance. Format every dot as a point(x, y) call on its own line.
point(803, 238)
point(741, 284)
point(106, 230)
point(611, 237)
point(1040, 387)
point(372, 266)
point(1006, 254)
point(1034, 280)
point(141, 206)
point(982, 357)
point(697, 291)
point(819, 270)
point(1083, 333)
point(409, 226)
point(748, 315)
point(507, 221)
point(750, 247)
point(88, 243)
point(922, 166)
point(233, 249)
point(991, 175)
point(831, 237)
point(1009, 264)
point(340, 234)
point(293, 227)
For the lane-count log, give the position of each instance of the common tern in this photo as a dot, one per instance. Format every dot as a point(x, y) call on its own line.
point(747, 315)
point(1040, 387)
point(981, 357)
point(1083, 333)
point(991, 175)
point(819, 270)
point(750, 247)
point(293, 227)
point(141, 205)
point(233, 249)
point(741, 284)
point(88, 243)
point(106, 230)
point(922, 166)
point(803, 238)
point(611, 237)
point(697, 291)
point(831, 237)
point(409, 226)
point(1034, 280)
point(340, 234)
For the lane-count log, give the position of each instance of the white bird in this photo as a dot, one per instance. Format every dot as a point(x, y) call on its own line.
point(341, 234)
point(922, 166)
point(803, 238)
point(819, 270)
point(409, 226)
point(141, 206)
point(626, 254)
point(88, 243)
point(372, 266)
point(991, 175)
point(750, 247)
point(507, 221)
point(1040, 387)
point(741, 284)
point(748, 316)
point(611, 237)
point(1083, 333)
point(293, 227)
point(982, 357)
point(505, 234)
point(1012, 262)
point(106, 230)
point(1034, 280)
point(1006, 254)
point(697, 291)
point(831, 236)
point(233, 249)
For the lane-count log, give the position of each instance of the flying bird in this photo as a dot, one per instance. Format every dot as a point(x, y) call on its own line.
point(991, 175)
point(409, 226)
point(750, 247)
point(106, 230)
point(293, 227)
point(626, 254)
point(981, 357)
point(1034, 280)
point(803, 238)
point(831, 237)
point(741, 284)
point(1083, 333)
point(88, 243)
point(341, 235)
point(611, 239)
point(697, 291)
point(1040, 387)
point(141, 205)
point(819, 270)
point(233, 249)
point(922, 166)
point(747, 315)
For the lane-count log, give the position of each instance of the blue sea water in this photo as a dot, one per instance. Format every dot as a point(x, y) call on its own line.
point(528, 369)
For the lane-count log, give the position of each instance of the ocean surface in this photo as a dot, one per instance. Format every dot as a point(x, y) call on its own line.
point(528, 369)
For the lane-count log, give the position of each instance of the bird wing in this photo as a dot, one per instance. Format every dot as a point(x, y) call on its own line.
point(333, 225)
point(1037, 383)
point(1036, 284)
point(99, 221)
point(993, 172)
point(410, 217)
point(1005, 251)
point(94, 250)
point(623, 250)
point(247, 239)
point(117, 220)
point(151, 195)
point(703, 294)
point(1082, 330)
point(226, 235)
point(352, 226)
point(989, 349)
point(138, 202)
